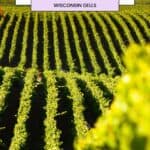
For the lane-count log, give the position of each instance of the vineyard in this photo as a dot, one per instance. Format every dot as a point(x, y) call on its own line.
point(58, 72)
point(48, 104)
point(83, 42)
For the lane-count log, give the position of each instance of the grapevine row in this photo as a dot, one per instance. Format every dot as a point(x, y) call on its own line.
point(78, 95)
point(80, 42)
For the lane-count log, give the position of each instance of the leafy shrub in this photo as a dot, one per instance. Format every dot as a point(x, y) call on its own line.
point(126, 125)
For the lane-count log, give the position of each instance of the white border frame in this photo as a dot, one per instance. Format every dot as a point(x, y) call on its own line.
point(23, 2)
point(126, 2)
